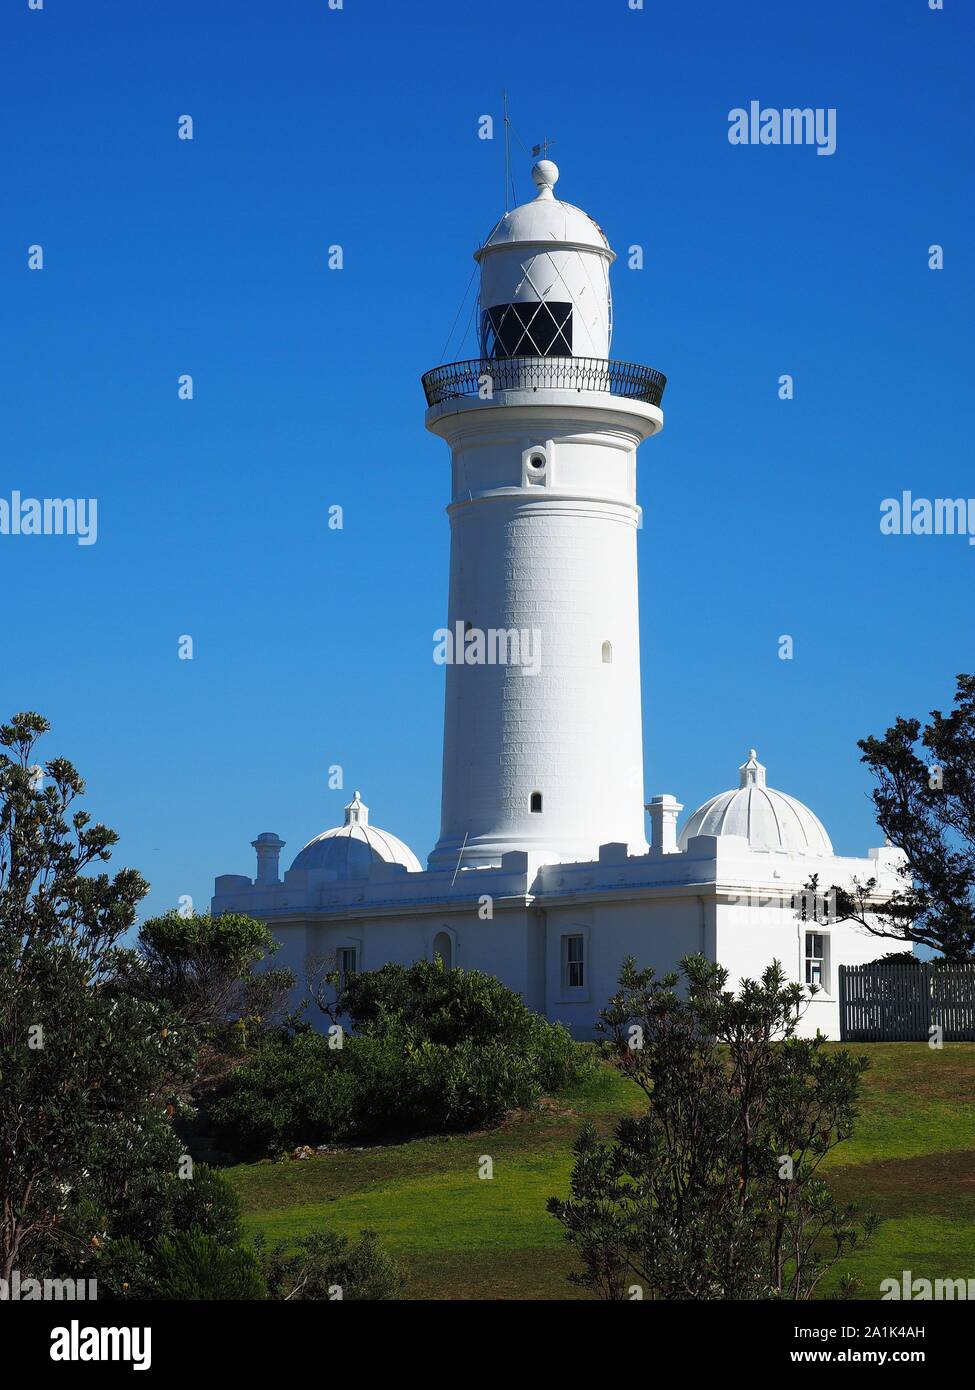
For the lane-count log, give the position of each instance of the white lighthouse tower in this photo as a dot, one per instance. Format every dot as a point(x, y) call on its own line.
point(543, 766)
point(543, 752)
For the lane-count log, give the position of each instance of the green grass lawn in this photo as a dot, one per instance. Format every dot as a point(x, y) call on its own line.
point(912, 1161)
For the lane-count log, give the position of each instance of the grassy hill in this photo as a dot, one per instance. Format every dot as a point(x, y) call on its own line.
point(912, 1161)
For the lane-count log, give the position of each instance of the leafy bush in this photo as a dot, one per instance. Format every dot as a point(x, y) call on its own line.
point(433, 1050)
point(153, 1203)
point(329, 1267)
point(204, 968)
point(443, 1006)
point(194, 1266)
point(428, 1004)
point(123, 1269)
point(279, 1097)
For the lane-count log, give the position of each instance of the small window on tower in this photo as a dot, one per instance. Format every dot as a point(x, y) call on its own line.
point(607, 652)
point(536, 802)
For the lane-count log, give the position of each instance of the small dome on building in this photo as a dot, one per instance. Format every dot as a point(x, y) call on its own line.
point(766, 818)
point(351, 849)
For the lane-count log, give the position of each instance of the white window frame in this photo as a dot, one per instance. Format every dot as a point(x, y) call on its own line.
point(811, 958)
point(568, 987)
point(340, 951)
point(347, 943)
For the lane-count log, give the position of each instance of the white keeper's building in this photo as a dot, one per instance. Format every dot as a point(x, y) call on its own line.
point(542, 874)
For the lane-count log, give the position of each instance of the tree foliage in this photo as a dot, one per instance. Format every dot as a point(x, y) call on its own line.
point(714, 1192)
point(191, 1265)
point(203, 968)
point(90, 1077)
point(925, 803)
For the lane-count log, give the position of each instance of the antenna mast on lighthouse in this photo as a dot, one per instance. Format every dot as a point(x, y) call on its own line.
point(507, 150)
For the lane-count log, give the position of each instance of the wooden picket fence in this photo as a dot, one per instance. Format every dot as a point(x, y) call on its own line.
point(901, 1002)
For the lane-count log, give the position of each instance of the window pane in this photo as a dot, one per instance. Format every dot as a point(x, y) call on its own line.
point(539, 329)
point(574, 966)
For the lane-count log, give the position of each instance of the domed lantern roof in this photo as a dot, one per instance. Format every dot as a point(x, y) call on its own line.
point(350, 850)
point(766, 818)
point(546, 219)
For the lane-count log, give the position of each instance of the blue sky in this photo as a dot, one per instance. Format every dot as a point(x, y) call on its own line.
point(359, 127)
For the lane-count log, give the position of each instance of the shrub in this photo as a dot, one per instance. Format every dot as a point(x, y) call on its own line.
point(195, 1266)
point(443, 1006)
point(124, 1269)
point(154, 1203)
point(433, 1050)
point(279, 1097)
point(327, 1267)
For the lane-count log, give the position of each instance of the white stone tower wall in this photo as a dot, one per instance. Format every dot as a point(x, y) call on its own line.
point(550, 552)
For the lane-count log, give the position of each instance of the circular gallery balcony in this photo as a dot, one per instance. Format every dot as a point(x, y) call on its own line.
point(481, 377)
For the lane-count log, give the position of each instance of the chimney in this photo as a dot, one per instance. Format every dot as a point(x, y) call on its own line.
point(664, 811)
point(268, 846)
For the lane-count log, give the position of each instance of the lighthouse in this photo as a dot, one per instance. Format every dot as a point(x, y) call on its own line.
point(543, 755)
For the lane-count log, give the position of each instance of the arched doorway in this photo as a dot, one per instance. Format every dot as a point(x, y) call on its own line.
point(444, 948)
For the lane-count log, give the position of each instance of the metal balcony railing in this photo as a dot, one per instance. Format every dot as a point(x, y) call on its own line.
point(484, 376)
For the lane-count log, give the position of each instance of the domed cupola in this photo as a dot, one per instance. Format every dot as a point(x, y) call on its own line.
point(766, 818)
point(351, 849)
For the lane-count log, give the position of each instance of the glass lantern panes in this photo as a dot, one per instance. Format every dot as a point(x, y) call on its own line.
point(541, 329)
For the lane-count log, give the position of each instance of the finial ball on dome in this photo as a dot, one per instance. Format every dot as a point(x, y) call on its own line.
point(545, 174)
